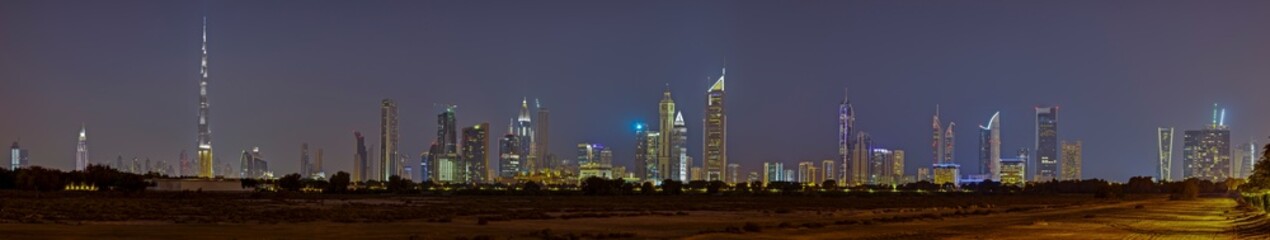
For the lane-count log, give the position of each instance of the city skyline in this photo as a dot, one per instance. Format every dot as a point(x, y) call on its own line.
point(148, 115)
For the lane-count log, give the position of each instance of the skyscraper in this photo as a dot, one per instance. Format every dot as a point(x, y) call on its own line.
point(1071, 160)
point(317, 167)
point(645, 165)
point(388, 140)
point(1164, 137)
point(524, 128)
point(807, 173)
point(594, 160)
point(715, 134)
point(476, 153)
point(830, 169)
point(253, 164)
point(305, 167)
point(542, 140)
point(773, 172)
point(846, 127)
point(668, 155)
point(937, 139)
point(732, 172)
point(1244, 157)
point(81, 151)
point(879, 168)
point(950, 144)
point(990, 148)
point(652, 145)
point(446, 165)
point(896, 167)
point(1207, 151)
point(680, 162)
point(205, 164)
point(361, 161)
point(859, 165)
point(1046, 143)
point(18, 157)
point(509, 159)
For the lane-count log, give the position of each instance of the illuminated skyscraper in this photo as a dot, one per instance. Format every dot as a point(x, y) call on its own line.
point(950, 144)
point(652, 145)
point(361, 159)
point(306, 169)
point(859, 165)
point(1012, 172)
point(668, 155)
point(947, 173)
point(1164, 137)
point(524, 128)
point(204, 130)
point(937, 139)
point(990, 148)
point(1207, 151)
point(1046, 144)
point(896, 167)
point(476, 153)
point(253, 165)
point(846, 128)
point(829, 169)
point(807, 173)
point(445, 163)
point(81, 151)
point(388, 140)
point(732, 172)
point(715, 135)
point(1243, 159)
point(509, 159)
point(18, 157)
point(1071, 161)
point(645, 158)
point(773, 172)
point(879, 168)
point(594, 160)
point(542, 146)
point(680, 163)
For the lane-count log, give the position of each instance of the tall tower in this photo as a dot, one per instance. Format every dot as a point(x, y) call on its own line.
point(388, 140)
point(1046, 144)
point(680, 161)
point(846, 124)
point(1164, 136)
point(524, 128)
point(81, 151)
point(937, 139)
point(205, 164)
point(1071, 161)
point(950, 143)
point(1207, 151)
point(666, 110)
point(990, 148)
point(306, 168)
point(361, 163)
point(475, 151)
point(716, 134)
point(542, 146)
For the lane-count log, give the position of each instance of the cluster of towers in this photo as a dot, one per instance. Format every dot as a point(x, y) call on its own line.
point(663, 153)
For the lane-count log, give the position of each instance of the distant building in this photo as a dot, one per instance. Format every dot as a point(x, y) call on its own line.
point(947, 173)
point(1013, 172)
point(923, 174)
point(846, 131)
point(306, 167)
point(715, 149)
point(206, 167)
point(668, 154)
point(752, 177)
point(828, 169)
point(361, 161)
point(652, 166)
point(1071, 161)
point(773, 172)
point(732, 173)
point(475, 152)
point(695, 174)
point(1046, 143)
point(524, 128)
point(1207, 151)
point(861, 153)
point(388, 140)
point(542, 146)
point(81, 151)
point(1244, 158)
point(895, 173)
point(19, 157)
point(680, 163)
point(990, 147)
point(446, 165)
point(807, 173)
point(594, 160)
point(253, 165)
point(1164, 137)
point(509, 156)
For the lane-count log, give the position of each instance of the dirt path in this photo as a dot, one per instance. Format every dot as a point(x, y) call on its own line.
point(1213, 218)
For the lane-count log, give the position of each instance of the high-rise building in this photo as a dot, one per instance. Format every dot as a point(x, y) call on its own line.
point(1071, 160)
point(509, 159)
point(253, 165)
point(950, 144)
point(923, 174)
point(361, 159)
point(879, 169)
point(1243, 158)
point(18, 157)
point(715, 134)
point(446, 166)
point(644, 165)
point(524, 128)
point(947, 173)
point(773, 172)
point(204, 129)
point(476, 153)
point(807, 173)
point(896, 165)
point(305, 167)
point(846, 128)
point(388, 140)
point(1207, 151)
point(668, 155)
point(990, 148)
point(81, 150)
point(937, 139)
point(1012, 172)
point(1046, 144)
point(695, 174)
point(859, 164)
point(829, 169)
point(732, 172)
point(1164, 137)
point(317, 167)
point(654, 171)
point(680, 163)
point(542, 146)
point(186, 168)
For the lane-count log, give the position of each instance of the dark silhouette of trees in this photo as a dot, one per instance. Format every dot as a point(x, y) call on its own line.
point(397, 184)
point(339, 183)
point(647, 188)
point(250, 183)
point(1260, 179)
point(669, 186)
point(290, 182)
point(531, 187)
point(830, 185)
point(714, 186)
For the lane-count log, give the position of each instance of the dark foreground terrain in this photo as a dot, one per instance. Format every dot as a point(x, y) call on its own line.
point(71, 215)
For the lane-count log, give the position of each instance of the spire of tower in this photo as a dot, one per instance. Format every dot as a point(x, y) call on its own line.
point(524, 109)
point(679, 118)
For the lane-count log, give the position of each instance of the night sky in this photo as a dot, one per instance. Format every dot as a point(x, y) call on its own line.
point(288, 72)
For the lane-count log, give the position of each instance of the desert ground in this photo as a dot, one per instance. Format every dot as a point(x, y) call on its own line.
point(68, 215)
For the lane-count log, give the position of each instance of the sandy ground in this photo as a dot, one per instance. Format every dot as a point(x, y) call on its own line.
point(1211, 218)
point(1156, 219)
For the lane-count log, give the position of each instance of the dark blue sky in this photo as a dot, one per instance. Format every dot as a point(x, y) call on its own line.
point(287, 72)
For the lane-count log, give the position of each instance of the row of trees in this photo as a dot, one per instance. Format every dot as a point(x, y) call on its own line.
point(44, 179)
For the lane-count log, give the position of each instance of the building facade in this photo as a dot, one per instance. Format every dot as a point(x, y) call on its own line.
point(509, 156)
point(205, 164)
point(1046, 144)
point(81, 150)
point(388, 140)
point(990, 148)
point(715, 135)
point(1164, 140)
point(846, 128)
point(475, 151)
point(1071, 161)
